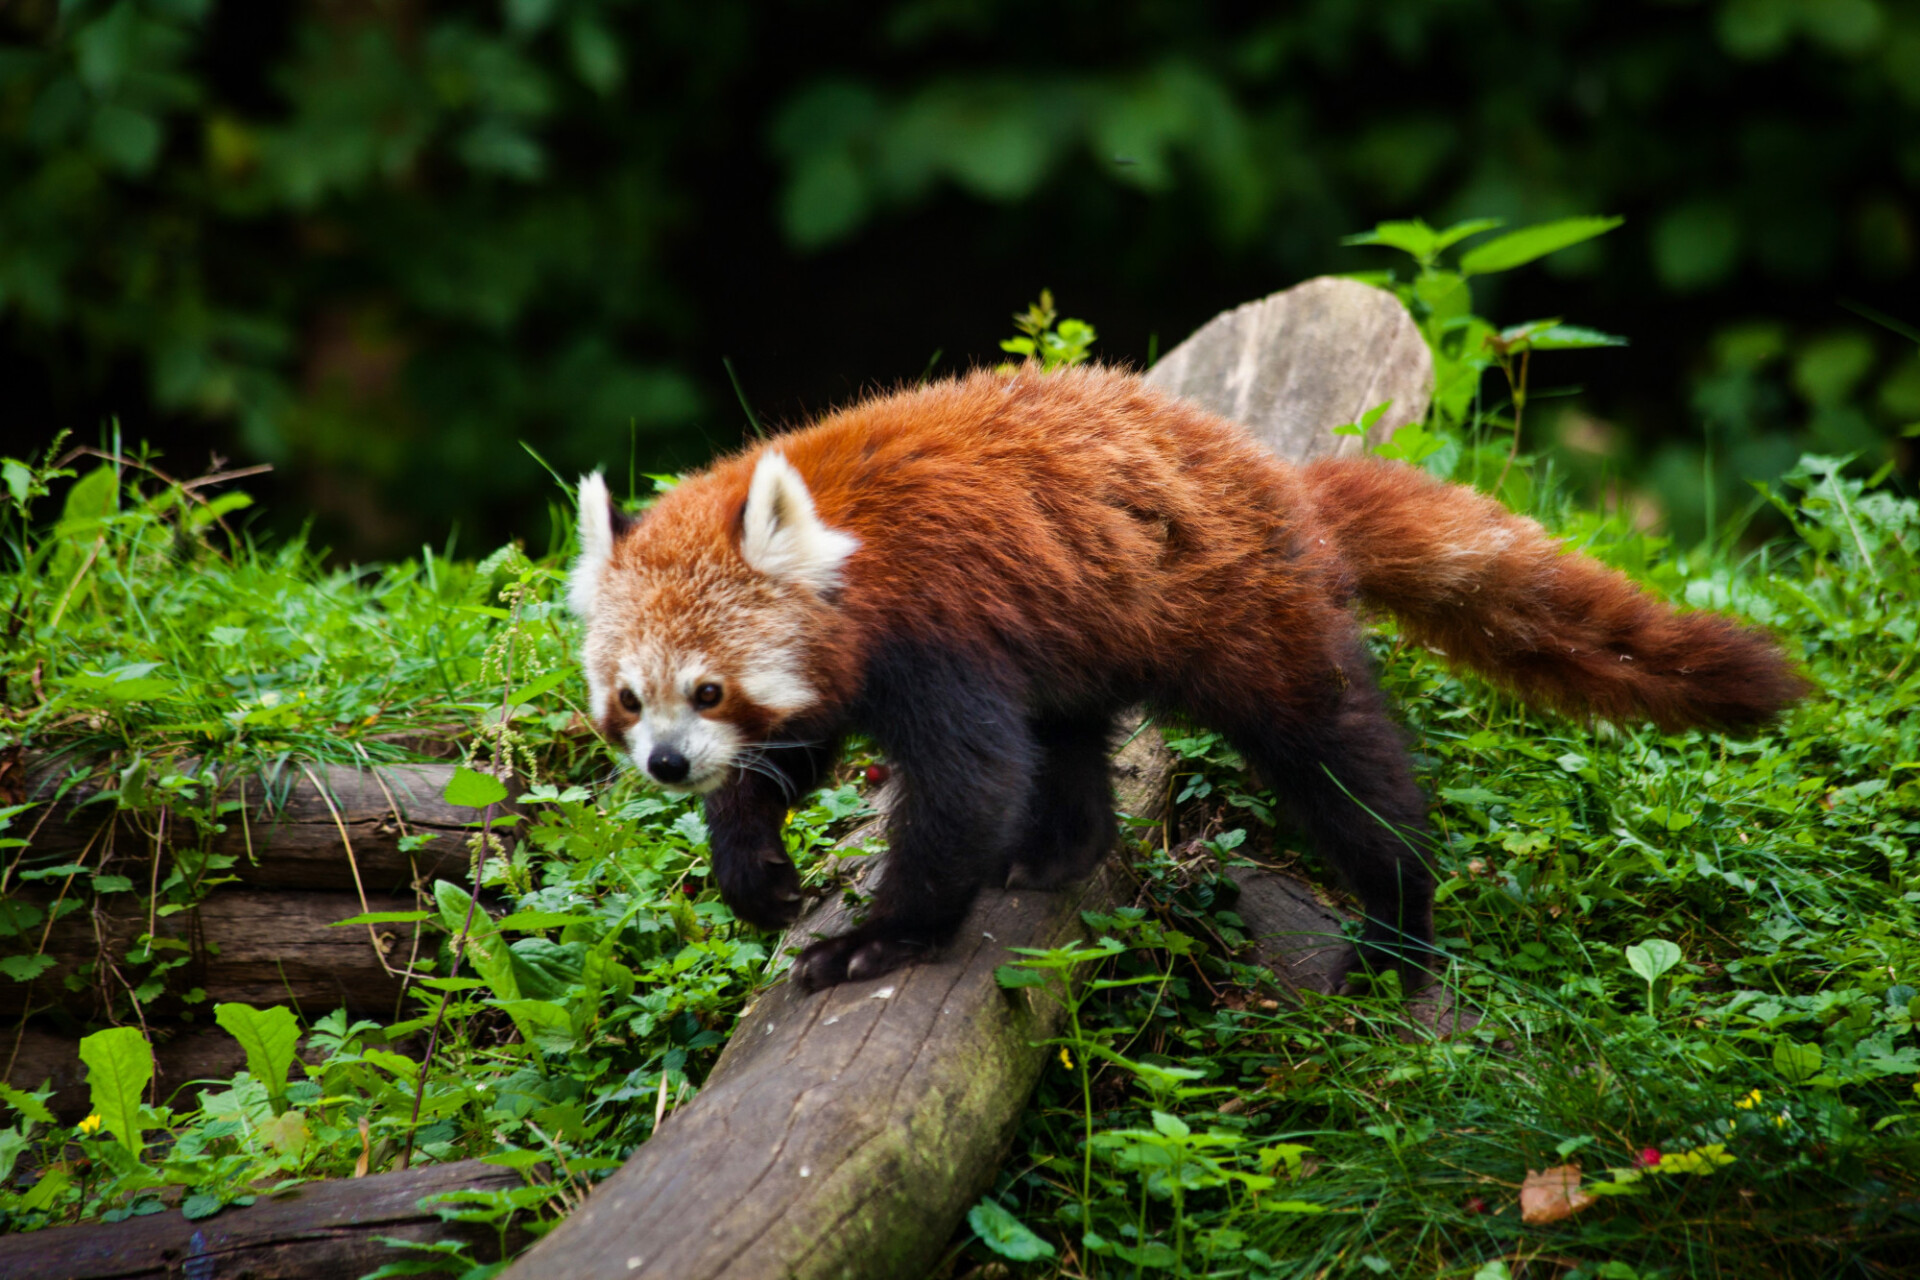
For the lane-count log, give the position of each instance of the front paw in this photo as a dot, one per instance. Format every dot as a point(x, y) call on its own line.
point(853, 957)
point(764, 892)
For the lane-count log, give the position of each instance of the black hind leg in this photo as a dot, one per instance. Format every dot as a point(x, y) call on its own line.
point(1070, 824)
point(1340, 763)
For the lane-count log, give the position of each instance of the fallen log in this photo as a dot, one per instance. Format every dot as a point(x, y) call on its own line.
point(845, 1133)
point(251, 945)
point(304, 826)
point(318, 1231)
point(1302, 940)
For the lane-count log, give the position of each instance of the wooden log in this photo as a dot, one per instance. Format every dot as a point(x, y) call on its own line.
point(318, 1231)
point(252, 945)
point(845, 1133)
point(1301, 939)
point(1296, 364)
point(296, 827)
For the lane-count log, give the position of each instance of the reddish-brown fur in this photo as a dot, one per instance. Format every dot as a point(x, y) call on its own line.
point(1102, 530)
point(1037, 552)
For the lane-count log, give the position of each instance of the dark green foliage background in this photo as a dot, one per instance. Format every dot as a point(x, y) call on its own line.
point(380, 241)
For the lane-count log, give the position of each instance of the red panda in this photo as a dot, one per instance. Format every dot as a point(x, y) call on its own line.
point(983, 573)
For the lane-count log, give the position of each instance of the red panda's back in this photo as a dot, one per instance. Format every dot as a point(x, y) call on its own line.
point(1080, 516)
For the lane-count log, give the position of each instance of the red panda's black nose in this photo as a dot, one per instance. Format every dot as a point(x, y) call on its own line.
point(667, 764)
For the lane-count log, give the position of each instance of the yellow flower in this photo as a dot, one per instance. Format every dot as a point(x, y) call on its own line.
point(91, 1124)
point(1066, 1059)
point(1780, 1121)
point(1749, 1102)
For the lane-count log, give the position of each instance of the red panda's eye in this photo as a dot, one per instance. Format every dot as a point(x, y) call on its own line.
point(707, 696)
point(630, 700)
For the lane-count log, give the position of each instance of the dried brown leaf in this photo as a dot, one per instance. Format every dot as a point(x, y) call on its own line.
point(1551, 1195)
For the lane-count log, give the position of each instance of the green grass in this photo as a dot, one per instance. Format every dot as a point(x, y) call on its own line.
point(1774, 1065)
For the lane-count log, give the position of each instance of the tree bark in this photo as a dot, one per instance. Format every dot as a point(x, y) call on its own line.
point(251, 945)
point(319, 1231)
point(295, 827)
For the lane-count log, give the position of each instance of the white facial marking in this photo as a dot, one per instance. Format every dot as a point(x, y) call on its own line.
point(665, 685)
point(775, 682)
point(596, 545)
point(782, 536)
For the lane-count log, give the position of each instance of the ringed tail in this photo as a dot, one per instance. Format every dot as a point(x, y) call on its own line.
point(1490, 590)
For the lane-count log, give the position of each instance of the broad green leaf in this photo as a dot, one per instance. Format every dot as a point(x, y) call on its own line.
point(199, 1206)
point(471, 789)
point(1005, 1234)
point(384, 917)
point(541, 1022)
point(119, 1065)
point(393, 1063)
point(1797, 1063)
point(269, 1036)
point(1014, 975)
point(486, 950)
point(29, 1105)
point(286, 1133)
point(525, 921)
point(1516, 248)
point(42, 1195)
point(25, 968)
point(1459, 231)
point(1653, 957)
point(1568, 337)
point(1170, 1126)
point(532, 690)
point(19, 480)
point(1420, 240)
point(543, 969)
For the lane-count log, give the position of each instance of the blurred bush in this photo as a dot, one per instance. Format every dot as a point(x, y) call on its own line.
point(384, 240)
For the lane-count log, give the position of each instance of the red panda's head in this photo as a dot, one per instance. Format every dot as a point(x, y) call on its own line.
point(700, 627)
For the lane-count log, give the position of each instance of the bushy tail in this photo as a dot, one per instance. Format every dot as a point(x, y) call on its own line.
point(1491, 591)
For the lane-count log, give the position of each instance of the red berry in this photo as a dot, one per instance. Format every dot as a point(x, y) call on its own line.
point(877, 774)
point(1648, 1158)
point(1476, 1205)
point(687, 889)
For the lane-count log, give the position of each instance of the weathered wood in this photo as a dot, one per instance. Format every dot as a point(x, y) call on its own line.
point(1295, 934)
point(845, 1133)
point(1296, 364)
point(319, 1231)
point(1301, 940)
point(252, 945)
point(289, 832)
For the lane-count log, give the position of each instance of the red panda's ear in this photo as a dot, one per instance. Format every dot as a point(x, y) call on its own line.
point(599, 524)
point(782, 536)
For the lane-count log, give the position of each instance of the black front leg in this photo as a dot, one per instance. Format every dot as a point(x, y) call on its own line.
point(744, 817)
point(967, 759)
